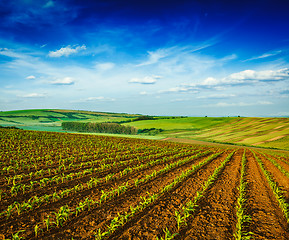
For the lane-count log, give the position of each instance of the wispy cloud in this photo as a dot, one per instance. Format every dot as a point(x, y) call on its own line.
point(95, 99)
point(154, 57)
point(104, 66)
point(66, 51)
point(33, 95)
point(240, 104)
point(180, 100)
point(10, 53)
point(217, 96)
point(183, 89)
point(145, 80)
point(264, 55)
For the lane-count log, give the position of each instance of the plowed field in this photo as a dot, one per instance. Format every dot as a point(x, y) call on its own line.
point(70, 186)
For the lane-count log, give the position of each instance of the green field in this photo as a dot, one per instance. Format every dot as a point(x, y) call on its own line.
point(260, 132)
point(50, 120)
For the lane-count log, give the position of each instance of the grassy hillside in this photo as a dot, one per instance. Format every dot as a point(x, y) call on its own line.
point(264, 132)
point(50, 120)
point(180, 123)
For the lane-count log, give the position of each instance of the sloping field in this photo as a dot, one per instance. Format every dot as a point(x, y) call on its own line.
point(72, 186)
point(251, 131)
point(50, 120)
point(266, 132)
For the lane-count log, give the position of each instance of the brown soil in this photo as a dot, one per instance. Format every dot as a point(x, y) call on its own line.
point(30, 218)
point(277, 175)
point(197, 142)
point(103, 215)
point(216, 216)
point(268, 221)
point(161, 214)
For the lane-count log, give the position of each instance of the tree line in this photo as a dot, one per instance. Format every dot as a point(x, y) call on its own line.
point(98, 127)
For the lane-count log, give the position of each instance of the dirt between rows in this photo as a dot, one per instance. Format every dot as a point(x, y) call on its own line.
point(277, 175)
point(29, 219)
point(40, 191)
point(216, 215)
point(100, 217)
point(268, 221)
point(161, 215)
point(281, 163)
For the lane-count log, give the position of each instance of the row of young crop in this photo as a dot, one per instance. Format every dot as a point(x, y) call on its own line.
point(34, 155)
point(66, 212)
point(186, 211)
point(67, 168)
point(243, 218)
point(98, 167)
point(276, 164)
point(278, 192)
point(69, 162)
point(93, 182)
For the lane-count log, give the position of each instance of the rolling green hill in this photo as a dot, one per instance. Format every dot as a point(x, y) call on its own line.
point(263, 132)
point(50, 120)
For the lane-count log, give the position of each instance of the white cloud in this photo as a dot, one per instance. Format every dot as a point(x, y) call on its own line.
point(104, 66)
point(264, 103)
point(216, 96)
point(10, 53)
point(96, 99)
point(143, 93)
point(244, 77)
point(256, 76)
point(145, 80)
point(180, 100)
point(63, 81)
point(66, 51)
point(210, 81)
point(240, 104)
point(179, 90)
point(34, 95)
point(31, 77)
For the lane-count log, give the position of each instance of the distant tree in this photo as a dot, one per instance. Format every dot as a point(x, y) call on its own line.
point(98, 127)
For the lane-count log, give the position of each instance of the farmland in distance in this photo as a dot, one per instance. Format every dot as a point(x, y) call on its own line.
point(74, 186)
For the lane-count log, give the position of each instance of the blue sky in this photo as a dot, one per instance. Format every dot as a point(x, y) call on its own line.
point(192, 58)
